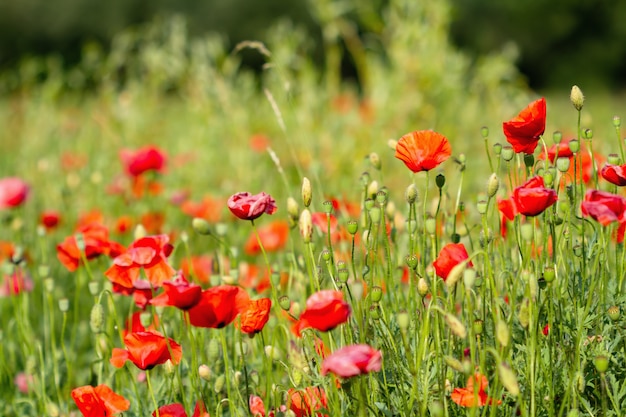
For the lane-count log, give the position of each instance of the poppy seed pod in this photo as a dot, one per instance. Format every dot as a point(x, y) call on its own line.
point(507, 153)
point(497, 149)
point(613, 313)
point(201, 226)
point(617, 121)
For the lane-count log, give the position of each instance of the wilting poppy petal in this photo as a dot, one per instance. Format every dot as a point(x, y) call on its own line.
point(249, 207)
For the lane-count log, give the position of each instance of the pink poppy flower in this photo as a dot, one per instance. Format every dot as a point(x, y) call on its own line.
point(352, 360)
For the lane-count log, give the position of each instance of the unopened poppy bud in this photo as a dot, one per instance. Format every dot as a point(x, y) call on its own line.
point(390, 209)
point(201, 226)
point(529, 160)
point(549, 274)
point(497, 149)
point(455, 274)
point(411, 194)
point(381, 196)
point(392, 143)
point(478, 327)
point(377, 294)
point(469, 278)
point(577, 98)
point(49, 284)
point(508, 153)
point(374, 312)
point(284, 302)
point(53, 410)
point(508, 378)
point(306, 225)
point(96, 318)
point(557, 135)
point(411, 225)
point(372, 189)
point(272, 352)
point(422, 287)
point(455, 238)
point(436, 409)
point(169, 367)
point(502, 333)
point(614, 313)
point(213, 350)
point(306, 192)
point(218, 386)
point(574, 145)
point(375, 214)
point(440, 180)
point(601, 363)
point(403, 320)
point(140, 232)
point(430, 225)
point(94, 287)
point(204, 372)
point(455, 325)
point(43, 271)
point(453, 363)
point(357, 290)
point(481, 206)
point(524, 314)
point(462, 159)
point(493, 184)
point(375, 160)
point(64, 305)
point(617, 121)
point(296, 308)
point(613, 159)
point(411, 261)
point(484, 132)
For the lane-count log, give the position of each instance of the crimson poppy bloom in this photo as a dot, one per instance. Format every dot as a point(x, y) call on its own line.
point(146, 350)
point(149, 158)
point(324, 311)
point(134, 325)
point(352, 360)
point(249, 207)
point(141, 291)
point(178, 293)
point(178, 410)
point(604, 207)
point(148, 253)
point(218, 306)
point(198, 267)
point(524, 130)
point(50, 219)
point(508, 210)
point(99, 401)
point(558, 150)
point(532, 198)
point(472, 395)
point(450, 256)
point(255, 315)
point(307, 402)
point(13, 192)
point(615, 174)
point(423, 150)
point(273, 237)
point(96, 241)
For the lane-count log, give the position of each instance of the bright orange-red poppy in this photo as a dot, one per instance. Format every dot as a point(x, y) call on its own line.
point(209, 209)
point(255, 315)
point(532, 197)
point(178, 293)
point(325, 310)
point(96, 242)
point(218, 306)
point(199, 267)
point(99, 401)
point(306, 402)
point(423, 150)
point(273, 237)
point(450, 256)
point(473, 395)
point(177, 410)
point(146, 350)
point(524, 130)
point(149, 158)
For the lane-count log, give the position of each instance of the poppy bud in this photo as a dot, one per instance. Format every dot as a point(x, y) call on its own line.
point(201, 226)
point(601, 363)
point(292, 208)
point(306, 225)
point(577, 98)
point(562, 164)
point(497, 149)
point(411, 261)
point(390, 209)
point(508, 378)
point(219, 383)
point(204, 372)
point(375, 160)
point(453, 363)
point(529, 160)
point(613, 313)
point(524, 314)
point(213, 350)
point(357, 290)
point(365, 178)
point(455, 326)
point(478, 327)
point(403, 320)
point(411, 225)
point(52, 409)
point(440, 180)
point(284, 302)
point(372, 189)
point(422, 287)
point(410, 194)
point(502, 333)
point(169, 367)
point(508, 153)
point(326, 255)
point(527, 231)
point(272, 352)
point(43, 270)
point(469, 278)
point(481, 206)
point(617, 121)
point(574, 145)
point(49, 284)
point(96, 318)
point(64, 305)
point(548, 179)
point(375, 312)
point(549, 274)
point(392, 143)
point(430, 226)
point(369, 203)
point(306, 192)
point(492, 185)
point(455, 274)
point(94, 287)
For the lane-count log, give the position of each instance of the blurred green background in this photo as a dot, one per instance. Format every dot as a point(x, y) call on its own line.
point(559, 42)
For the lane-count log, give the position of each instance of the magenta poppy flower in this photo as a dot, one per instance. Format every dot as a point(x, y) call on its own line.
point(13, 192)
point(352, 360)
point(249, 207)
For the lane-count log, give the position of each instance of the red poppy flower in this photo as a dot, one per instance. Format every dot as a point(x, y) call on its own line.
point(324, 311)
point(178, 410)
point(524, 130)
point(149, 158)
point(307, 402)
point(13, 192)
point(209, 209)
point(615, 174)
point(450, 256)
point(123, 224)
point(96, 240)
point(153, 222)
point(423, 150)
point(472, 395)
point(532, 198)
point(604, 207)
point(134, 325)
point(146, 350)
point(198, 267)
point(273, 237)
point(558, 150)
point(255, 315)
point(99, 401)
point(149, 253)
point(249, 207)
point(546, 329)
point(50, 219)
point(178, 293)
point(16, 283)
point(218, 306)
point(509, 211)
point(352, 360)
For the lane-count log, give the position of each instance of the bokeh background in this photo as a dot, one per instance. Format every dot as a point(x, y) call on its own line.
point(558, 43)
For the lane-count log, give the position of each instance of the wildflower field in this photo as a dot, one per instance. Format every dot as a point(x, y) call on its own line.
point(181, 237)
